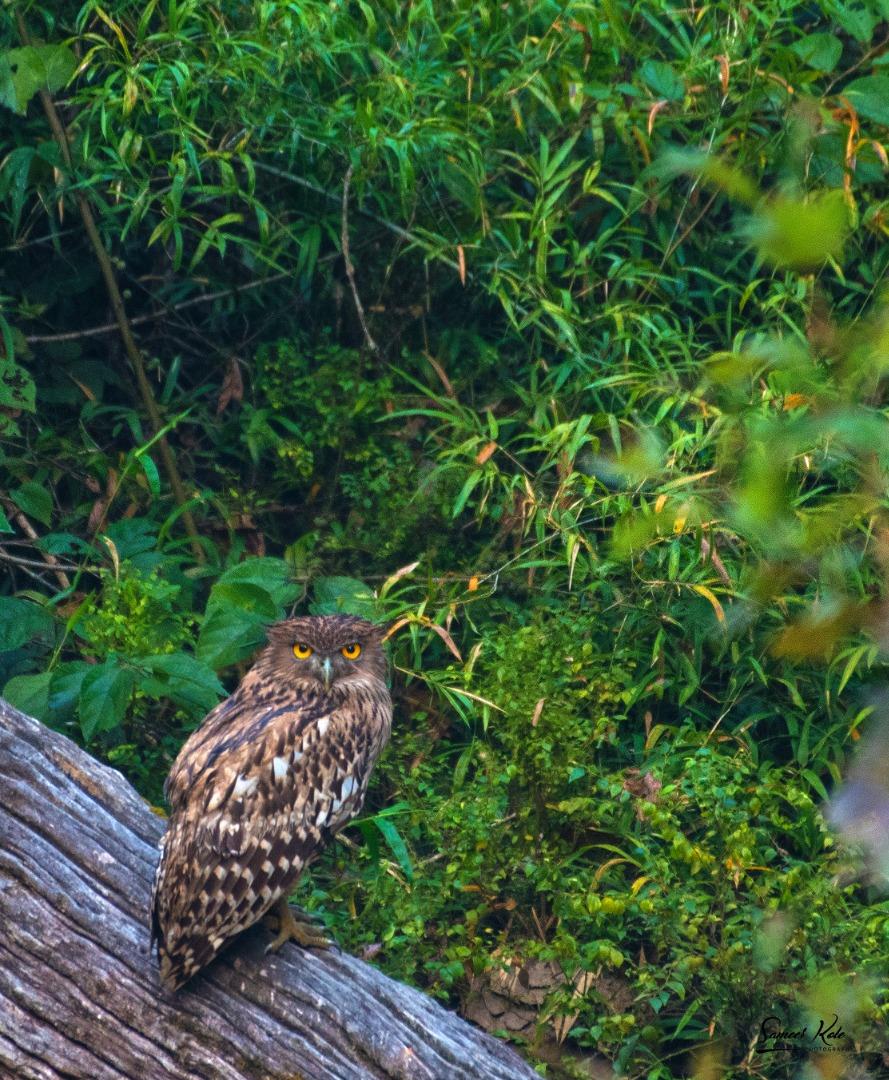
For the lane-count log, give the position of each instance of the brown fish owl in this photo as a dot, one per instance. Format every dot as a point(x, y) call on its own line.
point(264, 784)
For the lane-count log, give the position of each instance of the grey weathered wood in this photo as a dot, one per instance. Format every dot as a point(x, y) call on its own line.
point(79, 995)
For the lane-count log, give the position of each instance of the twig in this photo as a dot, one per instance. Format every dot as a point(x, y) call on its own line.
point(117, 304)
point(332, 196)
point(60, 567)
point(38, 577)
point(350, 269)
point(21, 245)
point(28, 529)
point(107, 328)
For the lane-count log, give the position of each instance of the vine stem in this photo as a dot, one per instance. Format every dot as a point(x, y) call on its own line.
point(133, 352)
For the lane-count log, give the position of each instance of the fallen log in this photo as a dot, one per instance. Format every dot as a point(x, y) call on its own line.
point(79, 993)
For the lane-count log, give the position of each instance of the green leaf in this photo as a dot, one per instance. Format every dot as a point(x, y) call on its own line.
point(22, 621)
point(663, 79)
point(802, 235)
point(856, 20)
point(25, 71)
point(466, 491)
point(34, 500)
point(816, 783)
point(151, 473)
point(65, 688)
point(4, 524)
point(30, 693)
point(335, 595)
point(246, 597)
point(820, 51)
point(104, 696)
point(870, 97)
point(396, 844)
point(16, 386)
point(181, 678)
point(229, 635)
point(273, 575)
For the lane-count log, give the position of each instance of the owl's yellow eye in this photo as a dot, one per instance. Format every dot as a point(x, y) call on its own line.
point(351, 652)
point(301, 651)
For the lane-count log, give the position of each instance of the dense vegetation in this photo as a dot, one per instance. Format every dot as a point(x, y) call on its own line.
point(554, 333)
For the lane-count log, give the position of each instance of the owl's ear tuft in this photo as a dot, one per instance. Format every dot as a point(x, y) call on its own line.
point(279, 634)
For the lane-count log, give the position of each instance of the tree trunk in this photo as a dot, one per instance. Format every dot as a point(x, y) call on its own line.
point(79, 993)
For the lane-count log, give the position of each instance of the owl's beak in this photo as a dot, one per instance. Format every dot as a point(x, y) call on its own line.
point(326, 672)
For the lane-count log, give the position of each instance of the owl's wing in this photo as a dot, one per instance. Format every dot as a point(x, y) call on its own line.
point(254, 800)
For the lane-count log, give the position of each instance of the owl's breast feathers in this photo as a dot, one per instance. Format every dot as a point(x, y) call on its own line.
point(256, 792)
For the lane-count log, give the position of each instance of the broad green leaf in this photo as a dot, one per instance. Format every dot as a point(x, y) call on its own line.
point(104, 696)
point(132, 536)
point(229, 635)
point(16, 386)
point(870, 97)
point(246, 597)
point(820, 51)
point(663, 79)
point(855, 19)
point(30, 693)
point(272, 575)
point(65, 687)
point(25, 71)
point(335, 595)
point(22, 621)
point(34, 500)
point(182, 678)
point(801, 235)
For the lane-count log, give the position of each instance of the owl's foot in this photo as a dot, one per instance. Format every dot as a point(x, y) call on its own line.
point(301, 929)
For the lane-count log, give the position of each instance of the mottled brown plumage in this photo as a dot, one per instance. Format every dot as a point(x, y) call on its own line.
point(265, 782)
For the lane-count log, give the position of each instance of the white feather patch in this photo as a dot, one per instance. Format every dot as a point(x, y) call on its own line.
point(279, 767)
point(246, 785)
point(323, 725)
point(349, 786)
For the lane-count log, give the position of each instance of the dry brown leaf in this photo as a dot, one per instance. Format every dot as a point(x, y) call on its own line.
point(446, 638)
point(654, 110)
point(538, 710)
point(232, 387)
point(397, 576)
point(724, 74)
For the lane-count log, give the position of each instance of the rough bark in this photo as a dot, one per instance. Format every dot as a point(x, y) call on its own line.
point(79, 994)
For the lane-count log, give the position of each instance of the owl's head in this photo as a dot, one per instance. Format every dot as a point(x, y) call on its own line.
point(327, 649)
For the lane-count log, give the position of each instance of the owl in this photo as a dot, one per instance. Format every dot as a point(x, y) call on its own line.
point(264, 784)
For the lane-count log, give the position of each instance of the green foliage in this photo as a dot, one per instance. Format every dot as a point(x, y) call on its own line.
point(615, 471)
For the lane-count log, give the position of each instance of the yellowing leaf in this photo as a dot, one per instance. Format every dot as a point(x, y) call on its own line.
point(708, 594)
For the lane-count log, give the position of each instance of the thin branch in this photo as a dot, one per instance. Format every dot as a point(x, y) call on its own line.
point(117, 304)
point(350, 269)
point(18, 560)
point(28, 529)
point(107, 328)
point(21, 245)
point(331, 196)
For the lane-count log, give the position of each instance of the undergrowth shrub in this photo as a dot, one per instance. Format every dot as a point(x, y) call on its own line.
point(605, 438)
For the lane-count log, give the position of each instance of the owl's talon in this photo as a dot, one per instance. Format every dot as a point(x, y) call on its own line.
point(300, 930)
